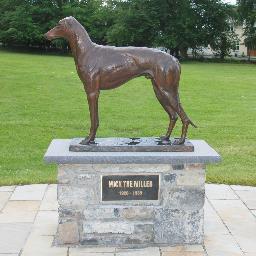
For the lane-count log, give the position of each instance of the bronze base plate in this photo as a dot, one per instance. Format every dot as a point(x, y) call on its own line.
point(144, 144)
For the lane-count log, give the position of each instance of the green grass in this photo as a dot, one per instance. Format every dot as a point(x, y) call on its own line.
point(41, 98)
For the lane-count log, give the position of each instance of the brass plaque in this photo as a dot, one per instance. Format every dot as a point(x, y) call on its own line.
point(130, 187)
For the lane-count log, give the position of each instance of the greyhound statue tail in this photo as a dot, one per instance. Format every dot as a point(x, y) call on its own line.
point(192, 124)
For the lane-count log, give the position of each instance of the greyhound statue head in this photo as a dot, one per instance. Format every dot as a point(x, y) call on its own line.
point(64, 29)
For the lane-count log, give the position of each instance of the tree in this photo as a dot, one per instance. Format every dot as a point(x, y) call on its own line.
point(247, 12)
point(24, 22)
point(174, 24)
point(135, 23)
point(222, 35)
point(15, 23)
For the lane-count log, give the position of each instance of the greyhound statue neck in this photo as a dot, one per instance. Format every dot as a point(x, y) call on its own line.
point(79, 41)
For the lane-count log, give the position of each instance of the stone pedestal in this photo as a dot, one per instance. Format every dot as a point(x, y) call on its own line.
point(130, 199)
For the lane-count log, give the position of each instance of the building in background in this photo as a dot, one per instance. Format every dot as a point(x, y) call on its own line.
point(240, 49)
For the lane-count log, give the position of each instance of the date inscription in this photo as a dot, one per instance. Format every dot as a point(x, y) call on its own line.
point(130, 187)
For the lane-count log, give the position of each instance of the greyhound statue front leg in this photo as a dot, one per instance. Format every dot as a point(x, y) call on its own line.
point(94, 116)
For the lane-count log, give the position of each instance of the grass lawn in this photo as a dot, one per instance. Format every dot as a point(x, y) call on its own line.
point(41, 98)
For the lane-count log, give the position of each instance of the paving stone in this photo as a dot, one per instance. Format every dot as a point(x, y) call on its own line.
point(74, 253)
point(243, 188)
point(19, 211)
point(184, 248)
point(248, 197)
point(7, 188)
point(9, 254)
point(183, 254)
point(213, 224)
point(4, 196)
point(214, 191)
point(38, 245)
point(221, 244)
point(221, 253)
point(13, 237)
point(29, 192)
point(46, 223)
point(49, 202)
point(240, 222)
point(218, 241)
point(149, 251)
point(93, 250)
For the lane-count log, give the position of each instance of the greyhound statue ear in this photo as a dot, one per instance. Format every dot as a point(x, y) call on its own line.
point(70, 20)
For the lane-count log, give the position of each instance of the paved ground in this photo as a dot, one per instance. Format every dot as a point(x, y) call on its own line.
point(28, 221)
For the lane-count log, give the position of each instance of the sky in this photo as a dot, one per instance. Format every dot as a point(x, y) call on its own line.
point(229, 1)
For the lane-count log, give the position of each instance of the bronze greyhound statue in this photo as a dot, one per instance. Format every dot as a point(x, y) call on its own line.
point(107, 67)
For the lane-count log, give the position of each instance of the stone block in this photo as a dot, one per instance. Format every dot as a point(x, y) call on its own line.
point(186, 179)
point(178, 227)
point(132, 168)
point(107, 239)
point(143, 234)
point(194, 167)
point(184, 198)
point(137, 213)
point(102, 213)
point(76, 174)
point(170, 179)
point(68, 214)
point(78, 197)
point(67, 233)
point(100, 227)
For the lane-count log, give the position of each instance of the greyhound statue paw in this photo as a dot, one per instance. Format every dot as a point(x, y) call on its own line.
point(87, 141)
point(164, 138)
point(180, 141)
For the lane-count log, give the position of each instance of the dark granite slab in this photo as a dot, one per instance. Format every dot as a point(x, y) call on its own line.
point(145, 144)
